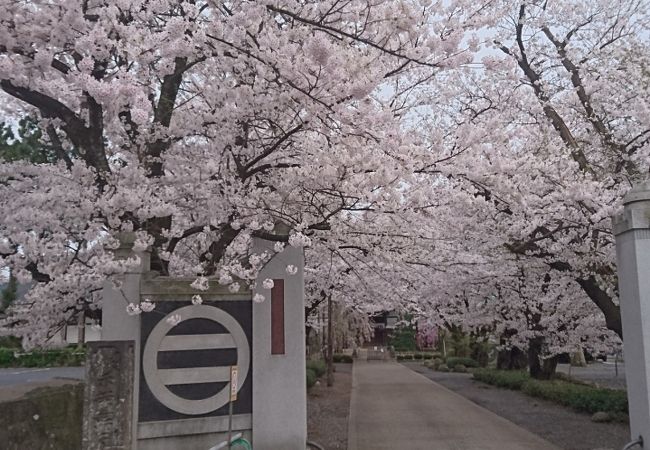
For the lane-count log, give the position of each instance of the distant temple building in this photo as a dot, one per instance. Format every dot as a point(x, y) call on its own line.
point(383, 324)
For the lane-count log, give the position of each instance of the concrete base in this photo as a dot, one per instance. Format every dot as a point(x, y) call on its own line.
point(190, 442)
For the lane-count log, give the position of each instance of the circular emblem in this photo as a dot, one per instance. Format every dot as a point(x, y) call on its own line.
point(159, 340)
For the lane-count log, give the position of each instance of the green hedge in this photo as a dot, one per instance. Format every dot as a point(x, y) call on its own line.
point(509, 379)
point(6, 357)
point(318, 366)
point(409, 356)
point(341, 358)
point(315, 370)
point(578, 396)
point(453, 361)
point(311, 378)
point(10, 357)
point(582, 398)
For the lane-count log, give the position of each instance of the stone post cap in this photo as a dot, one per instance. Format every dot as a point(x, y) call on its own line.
point(636, 213)
point(126, 238)
point(125, 250)
point(127, 241)
point(639, 193)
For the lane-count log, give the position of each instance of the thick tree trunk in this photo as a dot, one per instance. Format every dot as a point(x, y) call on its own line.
point(479, 352)
point(308, 330)
point(549, 365)
point(512, 359)
point(81, 329)
point(330, 343)
point(578, 358)
point(604, 301)
point(540, 369)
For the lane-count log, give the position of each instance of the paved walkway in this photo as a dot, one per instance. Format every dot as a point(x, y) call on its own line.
point(393, 407)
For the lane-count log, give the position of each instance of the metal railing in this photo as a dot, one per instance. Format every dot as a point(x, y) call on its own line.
point(634, 443)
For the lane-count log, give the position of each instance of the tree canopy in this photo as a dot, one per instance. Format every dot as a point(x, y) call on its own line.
point(457, 159)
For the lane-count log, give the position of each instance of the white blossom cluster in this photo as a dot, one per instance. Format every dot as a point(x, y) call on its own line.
point(419, 165)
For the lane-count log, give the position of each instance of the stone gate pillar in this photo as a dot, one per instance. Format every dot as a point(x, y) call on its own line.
point(110, 401)
point(632, 230)
point(280, 391)
point(160, 380)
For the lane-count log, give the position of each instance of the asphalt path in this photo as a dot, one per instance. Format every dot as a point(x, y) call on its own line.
point(19, 376)
point(605, 374)
point(392, 407)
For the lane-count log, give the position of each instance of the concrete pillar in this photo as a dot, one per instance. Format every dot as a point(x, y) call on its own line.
point(108, 396)
point(111, 374)
point(632, 230)
point(279, 380)
point(117, 325)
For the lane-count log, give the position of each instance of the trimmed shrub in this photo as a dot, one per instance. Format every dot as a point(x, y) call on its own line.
point(453, 361)
point(443, 368)
point(6, 357)
point(311, 378)
point(342, 358)
point(578, 396)
point(582, 398)
point(509, 379)
point(459, 368)
point(318, 366)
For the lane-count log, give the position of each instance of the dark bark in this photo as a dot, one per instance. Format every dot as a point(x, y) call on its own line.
point(88, 140)
point(589, 285)
point(540, 369)
point(330, 343)
point(535, 82)
point(308, 330)
point(513, 358)
point(611, 311)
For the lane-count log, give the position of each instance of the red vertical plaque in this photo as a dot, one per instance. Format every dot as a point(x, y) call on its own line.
point(277, 317)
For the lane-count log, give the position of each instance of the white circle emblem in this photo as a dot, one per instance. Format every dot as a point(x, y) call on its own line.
point(159, 340)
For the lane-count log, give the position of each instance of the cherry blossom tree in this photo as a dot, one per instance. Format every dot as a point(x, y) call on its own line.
point(542, 140)
point(201, 124)
point(456, 159)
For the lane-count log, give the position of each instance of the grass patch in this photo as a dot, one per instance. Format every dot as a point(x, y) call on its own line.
point(71, 356)
point(341, 358)
point(578, 396)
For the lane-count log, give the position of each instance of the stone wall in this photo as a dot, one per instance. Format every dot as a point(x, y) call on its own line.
point(46, 418)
